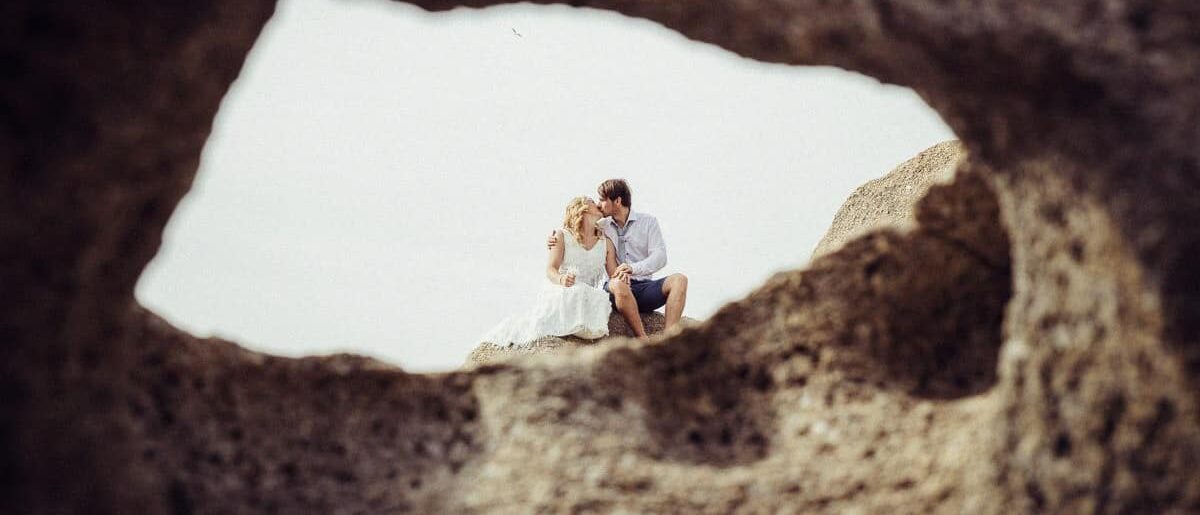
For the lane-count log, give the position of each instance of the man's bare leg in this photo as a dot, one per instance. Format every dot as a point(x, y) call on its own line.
point(675, 288)
point(627, 306)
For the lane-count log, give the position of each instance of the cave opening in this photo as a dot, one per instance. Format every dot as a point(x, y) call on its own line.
point(381, 180)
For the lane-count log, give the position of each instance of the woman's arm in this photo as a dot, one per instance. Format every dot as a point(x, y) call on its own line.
point(610, 257)
point(556, 259)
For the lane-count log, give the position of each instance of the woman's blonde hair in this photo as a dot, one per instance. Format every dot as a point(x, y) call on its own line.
point(573, 221)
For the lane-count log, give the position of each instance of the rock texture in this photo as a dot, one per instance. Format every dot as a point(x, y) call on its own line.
point(1029, 345)
point(889, 200)
point(488, 352)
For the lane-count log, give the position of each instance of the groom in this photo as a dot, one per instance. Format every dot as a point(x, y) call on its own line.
point(641, 252)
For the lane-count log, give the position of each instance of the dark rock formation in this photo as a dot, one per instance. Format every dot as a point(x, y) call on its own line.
point(104, 109)
point(1030, 345)
point(889, 200)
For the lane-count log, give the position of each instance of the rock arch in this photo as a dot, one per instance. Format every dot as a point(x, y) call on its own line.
point(1080, 117)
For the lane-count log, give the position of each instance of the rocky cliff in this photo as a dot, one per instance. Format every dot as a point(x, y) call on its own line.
point(1029, 344)
point(889, 200)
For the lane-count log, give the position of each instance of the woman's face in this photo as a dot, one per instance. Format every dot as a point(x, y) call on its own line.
point(593, 209)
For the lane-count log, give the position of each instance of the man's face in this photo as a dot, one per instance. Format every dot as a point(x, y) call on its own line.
point(607, 207)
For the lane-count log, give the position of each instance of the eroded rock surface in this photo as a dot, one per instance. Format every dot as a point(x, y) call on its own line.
point(889, 200)
point(488, 352)
point(1029, 345)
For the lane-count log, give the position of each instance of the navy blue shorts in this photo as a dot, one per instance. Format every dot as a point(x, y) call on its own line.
point(648, 293)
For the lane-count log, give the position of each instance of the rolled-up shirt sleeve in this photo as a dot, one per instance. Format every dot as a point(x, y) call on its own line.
point(657, 250)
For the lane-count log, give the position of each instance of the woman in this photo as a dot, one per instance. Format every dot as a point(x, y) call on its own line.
point(573, 302)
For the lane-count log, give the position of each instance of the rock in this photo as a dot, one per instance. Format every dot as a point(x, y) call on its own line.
point(1029, 345)
point(488, 352)
point(889, 200)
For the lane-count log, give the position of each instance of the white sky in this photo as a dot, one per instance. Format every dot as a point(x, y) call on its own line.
point(381, 180)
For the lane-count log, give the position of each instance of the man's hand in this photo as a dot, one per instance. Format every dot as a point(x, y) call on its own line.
point(552, 241)
point(567, 280)
point(624, 268)
point(621, 276)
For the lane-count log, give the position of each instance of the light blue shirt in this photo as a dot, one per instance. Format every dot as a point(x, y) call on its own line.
point(639, 244)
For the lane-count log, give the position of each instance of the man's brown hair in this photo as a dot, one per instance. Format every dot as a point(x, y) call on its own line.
point(613, 189)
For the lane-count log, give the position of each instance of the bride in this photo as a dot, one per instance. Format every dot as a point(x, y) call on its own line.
point(573, 302)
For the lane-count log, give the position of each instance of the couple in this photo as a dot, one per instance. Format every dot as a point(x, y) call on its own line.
point(603, 257)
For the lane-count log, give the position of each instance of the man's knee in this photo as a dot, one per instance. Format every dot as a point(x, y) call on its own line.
point(618, 287)
point(620, 291)
point(677, 284)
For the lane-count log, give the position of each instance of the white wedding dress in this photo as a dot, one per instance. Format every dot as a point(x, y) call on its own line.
point(581, 310)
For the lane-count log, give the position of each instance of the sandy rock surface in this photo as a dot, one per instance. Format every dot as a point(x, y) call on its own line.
point(889, 200)
point(1029, 345)
point(488, 352)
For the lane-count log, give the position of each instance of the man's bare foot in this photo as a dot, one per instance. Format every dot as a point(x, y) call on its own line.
point(679, 327)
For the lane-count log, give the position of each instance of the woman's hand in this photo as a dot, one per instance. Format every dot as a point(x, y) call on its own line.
point(567, 280)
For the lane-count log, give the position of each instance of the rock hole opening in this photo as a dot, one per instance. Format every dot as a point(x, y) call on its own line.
point(381, 181)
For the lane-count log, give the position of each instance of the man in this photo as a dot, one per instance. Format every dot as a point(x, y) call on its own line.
point(641, 252)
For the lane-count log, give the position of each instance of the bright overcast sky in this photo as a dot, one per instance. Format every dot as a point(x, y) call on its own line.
point(381, 180)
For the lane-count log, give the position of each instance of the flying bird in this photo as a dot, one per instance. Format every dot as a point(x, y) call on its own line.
point(515, 33)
